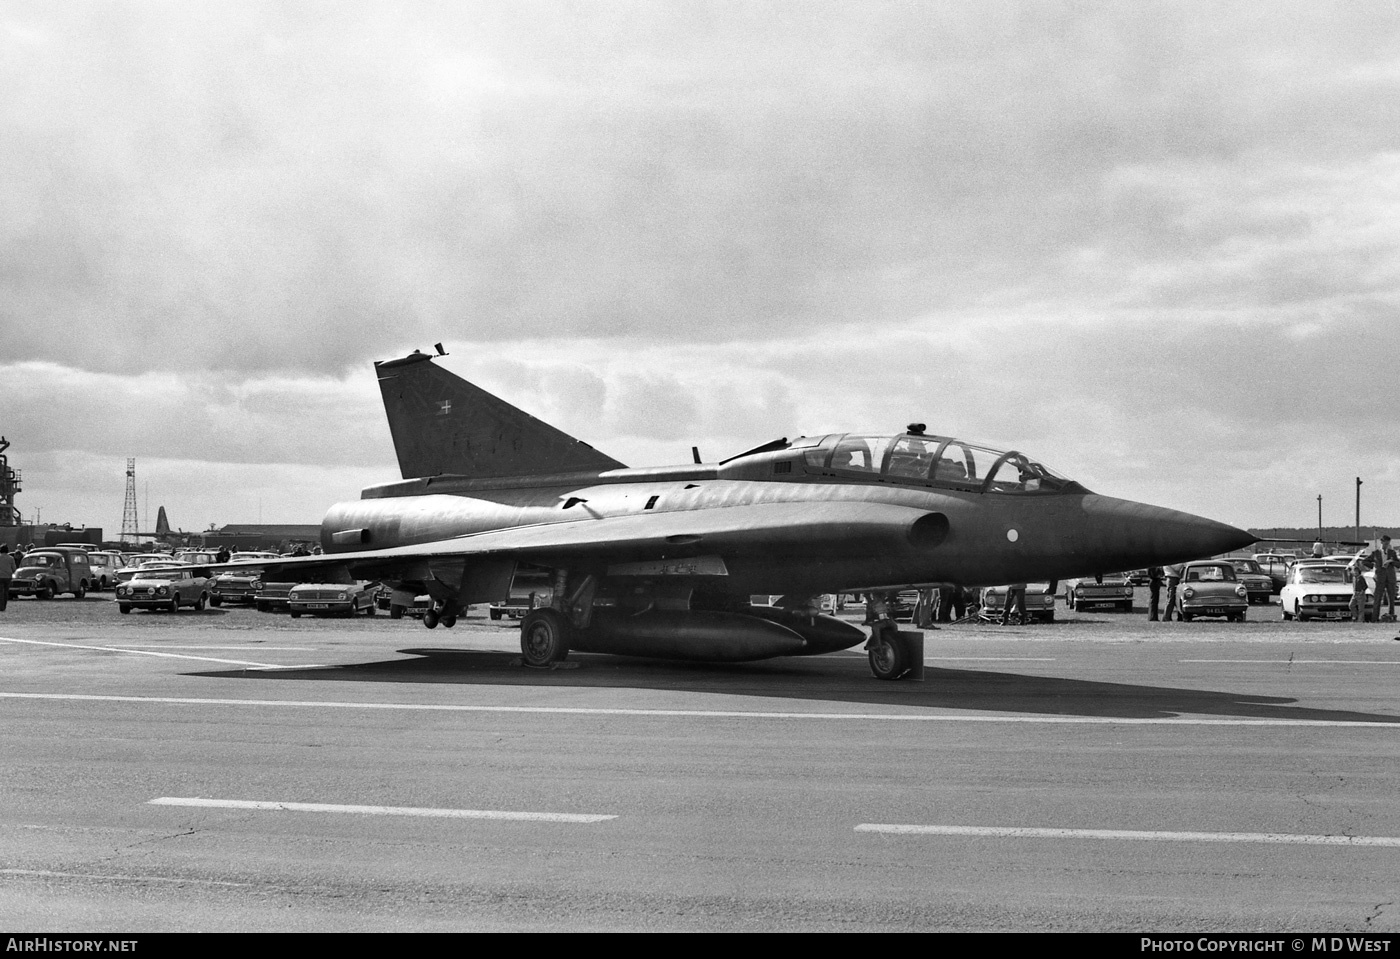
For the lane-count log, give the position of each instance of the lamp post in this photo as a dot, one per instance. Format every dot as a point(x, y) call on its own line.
point(1358, 509)
point(1319, 517)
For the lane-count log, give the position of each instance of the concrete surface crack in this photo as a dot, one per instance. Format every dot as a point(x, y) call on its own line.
point(1376, 913)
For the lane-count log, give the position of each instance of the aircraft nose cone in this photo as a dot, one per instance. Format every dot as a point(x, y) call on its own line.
point(1146, 535)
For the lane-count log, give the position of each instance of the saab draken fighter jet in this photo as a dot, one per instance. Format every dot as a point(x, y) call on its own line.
point(661, 562)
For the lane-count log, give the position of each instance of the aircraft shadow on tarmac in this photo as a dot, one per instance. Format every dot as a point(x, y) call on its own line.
point(839, 677)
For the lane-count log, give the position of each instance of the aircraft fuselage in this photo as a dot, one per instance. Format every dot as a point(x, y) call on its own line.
point(900, 532)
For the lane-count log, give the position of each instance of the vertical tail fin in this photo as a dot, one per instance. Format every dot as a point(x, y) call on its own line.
point(443, 424)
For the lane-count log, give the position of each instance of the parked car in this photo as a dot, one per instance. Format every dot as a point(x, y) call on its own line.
point(253, 556)
point(127, 573)
point(197, 557)
point(1040, 602)
point(273, 597)
point(105, 565)
point(528, 590)
point(1276, 565)
point(168, 589)
point(236, 587)
point(46, 573)
point(1114, 591)
point(400, 603)
point(333, 599)
point(1317, 591)
point(1210, 588)
point(1257, 583)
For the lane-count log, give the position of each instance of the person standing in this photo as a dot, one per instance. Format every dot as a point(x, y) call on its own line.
point(1154, 591)
point(1015, 608)
point(1383, 560)
point(7, 573)
point(1173, 576)
point(1357, 570)
point(958, 601)
point(926, 608)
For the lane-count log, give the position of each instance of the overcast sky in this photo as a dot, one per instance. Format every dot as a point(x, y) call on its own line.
point(1155, 245)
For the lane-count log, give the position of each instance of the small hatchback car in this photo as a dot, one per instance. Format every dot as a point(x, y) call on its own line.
point(1211, 589)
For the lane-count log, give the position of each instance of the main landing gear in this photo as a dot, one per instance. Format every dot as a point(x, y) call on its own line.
point(544, 637)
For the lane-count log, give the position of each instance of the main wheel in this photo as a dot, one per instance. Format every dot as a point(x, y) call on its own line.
point(888, 658)
point(45, 592)
point(174, 606)
point(395, 611)
point(544, 637)
point(81, 591)
point(449, 620)
point(430, 619)
point(199, 603)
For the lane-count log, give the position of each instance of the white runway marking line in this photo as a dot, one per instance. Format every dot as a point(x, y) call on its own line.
point(989, 659)
point(709, 713)
point(1295, 662)
point(147, 652)
point(251, 649)
point(1014, 832)
point(381, 810)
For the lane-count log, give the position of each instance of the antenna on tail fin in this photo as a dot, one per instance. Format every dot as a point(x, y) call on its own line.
point(443, 424)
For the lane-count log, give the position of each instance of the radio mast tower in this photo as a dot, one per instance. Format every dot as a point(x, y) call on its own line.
point(130, 527)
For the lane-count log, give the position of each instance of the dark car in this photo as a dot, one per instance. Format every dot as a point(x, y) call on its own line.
point(45, 573)
point(1276, 566)
point(236, 587)
point(273, 597)
point(1109, 590)
point(1258, 583)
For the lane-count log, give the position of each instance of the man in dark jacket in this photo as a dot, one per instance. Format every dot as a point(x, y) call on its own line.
point(1154, 591)
point(7, 573)
point(1383, 561)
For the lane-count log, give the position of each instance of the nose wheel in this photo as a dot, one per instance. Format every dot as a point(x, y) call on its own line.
point(437, 615)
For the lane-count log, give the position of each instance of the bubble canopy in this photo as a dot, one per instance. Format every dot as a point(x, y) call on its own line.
point(919, 459)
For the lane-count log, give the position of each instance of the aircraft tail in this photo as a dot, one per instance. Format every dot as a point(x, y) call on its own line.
point(443, 424)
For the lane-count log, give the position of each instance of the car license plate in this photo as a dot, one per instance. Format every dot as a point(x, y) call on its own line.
point(1215, 611)
point(315, 605)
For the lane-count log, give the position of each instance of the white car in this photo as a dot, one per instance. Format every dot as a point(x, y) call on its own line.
point(1317, 591)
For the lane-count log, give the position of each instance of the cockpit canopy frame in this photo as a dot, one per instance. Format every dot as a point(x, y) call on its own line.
point(942, 461)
